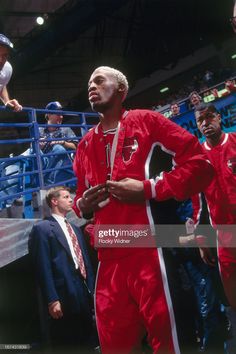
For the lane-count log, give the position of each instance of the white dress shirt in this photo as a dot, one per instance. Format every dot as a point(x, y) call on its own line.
point(61, 221)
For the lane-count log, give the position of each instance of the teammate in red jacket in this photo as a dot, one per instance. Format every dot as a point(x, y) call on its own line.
point(220, 195)
point(115, 184)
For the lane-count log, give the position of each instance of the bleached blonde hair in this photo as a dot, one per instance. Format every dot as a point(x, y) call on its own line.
point(120, 77)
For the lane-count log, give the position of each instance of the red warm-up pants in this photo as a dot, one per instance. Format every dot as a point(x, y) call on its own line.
point(132, 299)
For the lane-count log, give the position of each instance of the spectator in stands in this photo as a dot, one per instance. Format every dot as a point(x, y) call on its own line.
point(220, 195)
point(195, 99)
point(175, 110)
point(64, 274)
point(6, 73)
point(229, 87)
point(113, 166)
point(62, 149)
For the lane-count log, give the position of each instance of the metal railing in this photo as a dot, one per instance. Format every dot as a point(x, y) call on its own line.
point(25, 174)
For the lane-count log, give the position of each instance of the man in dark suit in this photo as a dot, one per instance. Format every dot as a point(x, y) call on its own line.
point(64, 274)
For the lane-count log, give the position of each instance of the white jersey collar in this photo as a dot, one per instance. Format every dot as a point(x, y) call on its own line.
point(209, 147)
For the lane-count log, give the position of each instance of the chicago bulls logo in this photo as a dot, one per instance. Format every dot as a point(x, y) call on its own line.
point(231, 163)
point(129, 148)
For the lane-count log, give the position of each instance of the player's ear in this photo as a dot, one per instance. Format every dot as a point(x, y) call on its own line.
point(121, 88)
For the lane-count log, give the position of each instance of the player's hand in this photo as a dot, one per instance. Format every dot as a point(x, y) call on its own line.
point(94, 198)
point(127, 190)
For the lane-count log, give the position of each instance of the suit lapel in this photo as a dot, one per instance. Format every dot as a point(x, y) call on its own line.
point(59, 234)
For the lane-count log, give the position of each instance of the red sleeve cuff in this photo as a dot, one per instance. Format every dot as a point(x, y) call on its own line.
point(149, 189)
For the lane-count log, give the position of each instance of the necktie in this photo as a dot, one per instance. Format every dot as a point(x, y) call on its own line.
point(77, 249)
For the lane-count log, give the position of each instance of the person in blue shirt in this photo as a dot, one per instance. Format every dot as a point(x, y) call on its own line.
point(61, 149)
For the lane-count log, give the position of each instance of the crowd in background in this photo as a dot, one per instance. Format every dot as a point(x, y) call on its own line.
point(201, 82)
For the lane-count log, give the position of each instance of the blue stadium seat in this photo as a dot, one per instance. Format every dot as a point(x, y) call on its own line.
point(11, 186)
